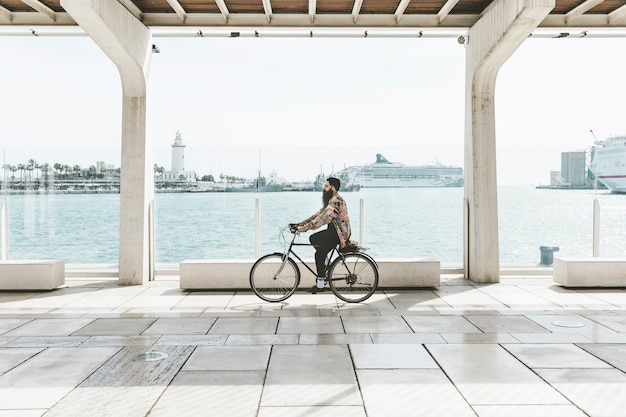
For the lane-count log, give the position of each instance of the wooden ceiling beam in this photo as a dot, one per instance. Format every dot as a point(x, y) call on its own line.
point(134, 10)
point(617, 14)
point(178, 9)
point(312, 9)
point(401, 8)
point(41, 8)
point(445, 10)
point(581, 9)
point(267, 6)
point(6, 14)
point(223, 9)
point(356, 9)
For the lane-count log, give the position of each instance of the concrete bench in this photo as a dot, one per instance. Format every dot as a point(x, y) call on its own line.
point(234, 274)
point(590, 272)
point(31, 275)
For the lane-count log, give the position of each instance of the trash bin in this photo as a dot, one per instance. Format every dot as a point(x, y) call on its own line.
point(547, 254)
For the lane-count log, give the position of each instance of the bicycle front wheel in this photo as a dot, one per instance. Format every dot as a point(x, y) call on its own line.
point(353, 277)
point(274, 277)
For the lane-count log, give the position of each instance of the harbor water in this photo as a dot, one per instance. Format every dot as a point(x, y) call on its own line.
point(397, 223)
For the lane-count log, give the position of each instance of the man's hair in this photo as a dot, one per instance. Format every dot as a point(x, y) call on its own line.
point(334, 182)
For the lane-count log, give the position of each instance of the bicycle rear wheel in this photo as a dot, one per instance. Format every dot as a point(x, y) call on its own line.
point(353, 277)
point(274, 277)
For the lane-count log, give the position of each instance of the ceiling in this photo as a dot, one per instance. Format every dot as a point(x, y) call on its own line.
point(388, 14)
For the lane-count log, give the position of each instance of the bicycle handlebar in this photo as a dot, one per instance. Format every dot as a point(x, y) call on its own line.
point(293, 228)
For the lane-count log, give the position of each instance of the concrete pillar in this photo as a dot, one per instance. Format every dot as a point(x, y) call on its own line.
point(504, 25)
point(128, 43)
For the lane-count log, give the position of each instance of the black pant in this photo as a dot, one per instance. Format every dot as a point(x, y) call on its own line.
point(324, 242)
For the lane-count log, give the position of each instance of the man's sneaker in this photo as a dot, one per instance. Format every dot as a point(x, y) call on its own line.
point(315, 290)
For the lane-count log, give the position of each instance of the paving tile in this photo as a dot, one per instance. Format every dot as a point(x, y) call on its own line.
point(550, 338)
point(126, 369)
point(211, 394)
point(441, 324)
point(478, 338)
point(195, 340)
point(22, 413)
point(46, 341)
point(391, 356)
point(369, 324)
point(180, 326)
point(291, 312)
point(507, 324)
point(614, 354)
point(299, 325)
point(127, 401)
point(410, 393)
point(407, 338)
point(584, 326)
point(554, 356)
point(488, 374)
point(115, 327)
point(467, 297)
point(121, 341)
point(347, 311)
point(49, 376)
point(261, 339)
point(7, 325)
point(12, 357)
point(319, 411)
point(49, 327)
point(258, 325)
point(334, 339)
point(528, 411)
point(5, 340)
point(309, 375)
point(228, 358)
point(598, 392)
point(616, 323)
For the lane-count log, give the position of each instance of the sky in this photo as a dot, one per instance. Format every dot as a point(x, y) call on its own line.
point(298, 106)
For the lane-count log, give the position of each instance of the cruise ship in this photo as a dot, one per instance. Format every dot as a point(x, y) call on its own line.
point(385, 174)
point(608, 163)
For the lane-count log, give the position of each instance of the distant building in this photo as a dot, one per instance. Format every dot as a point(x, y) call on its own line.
point(555, 178)
point(573, 168)
point(178, 173)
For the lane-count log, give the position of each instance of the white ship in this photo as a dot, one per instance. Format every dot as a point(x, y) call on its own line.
point(385, 174)
point(608, 163)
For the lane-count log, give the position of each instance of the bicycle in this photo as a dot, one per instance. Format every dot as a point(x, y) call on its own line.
point(351, 274)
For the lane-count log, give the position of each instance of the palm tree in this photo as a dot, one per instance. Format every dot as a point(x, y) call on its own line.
point(59, 168)
point(31, 167)
point(21, 167)
point(76, 170)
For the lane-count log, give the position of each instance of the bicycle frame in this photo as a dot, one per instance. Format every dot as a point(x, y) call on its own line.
point(330, 257)
point(290, 251)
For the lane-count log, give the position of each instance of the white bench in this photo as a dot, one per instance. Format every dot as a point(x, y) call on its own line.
point(235, 274)
point(590, 272)
point(31, 275)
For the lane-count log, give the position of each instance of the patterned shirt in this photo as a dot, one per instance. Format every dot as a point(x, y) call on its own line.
point(337, 212)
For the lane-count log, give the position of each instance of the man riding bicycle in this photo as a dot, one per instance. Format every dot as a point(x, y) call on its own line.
point(334, 213)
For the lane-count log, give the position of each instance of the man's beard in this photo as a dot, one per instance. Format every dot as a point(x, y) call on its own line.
point(326, 196)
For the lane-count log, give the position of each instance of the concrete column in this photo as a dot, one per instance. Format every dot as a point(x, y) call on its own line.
point(128, 43)
point(504, 25)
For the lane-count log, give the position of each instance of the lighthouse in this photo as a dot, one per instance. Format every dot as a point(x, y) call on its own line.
point(178, 174)
point(178, 153)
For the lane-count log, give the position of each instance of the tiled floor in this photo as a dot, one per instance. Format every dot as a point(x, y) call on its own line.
point(523, 347)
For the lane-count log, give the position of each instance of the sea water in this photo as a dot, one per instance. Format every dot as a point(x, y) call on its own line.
point(392, 223)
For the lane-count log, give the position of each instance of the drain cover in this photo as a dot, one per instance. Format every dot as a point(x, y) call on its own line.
point(151, 356)
point(568, 324)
